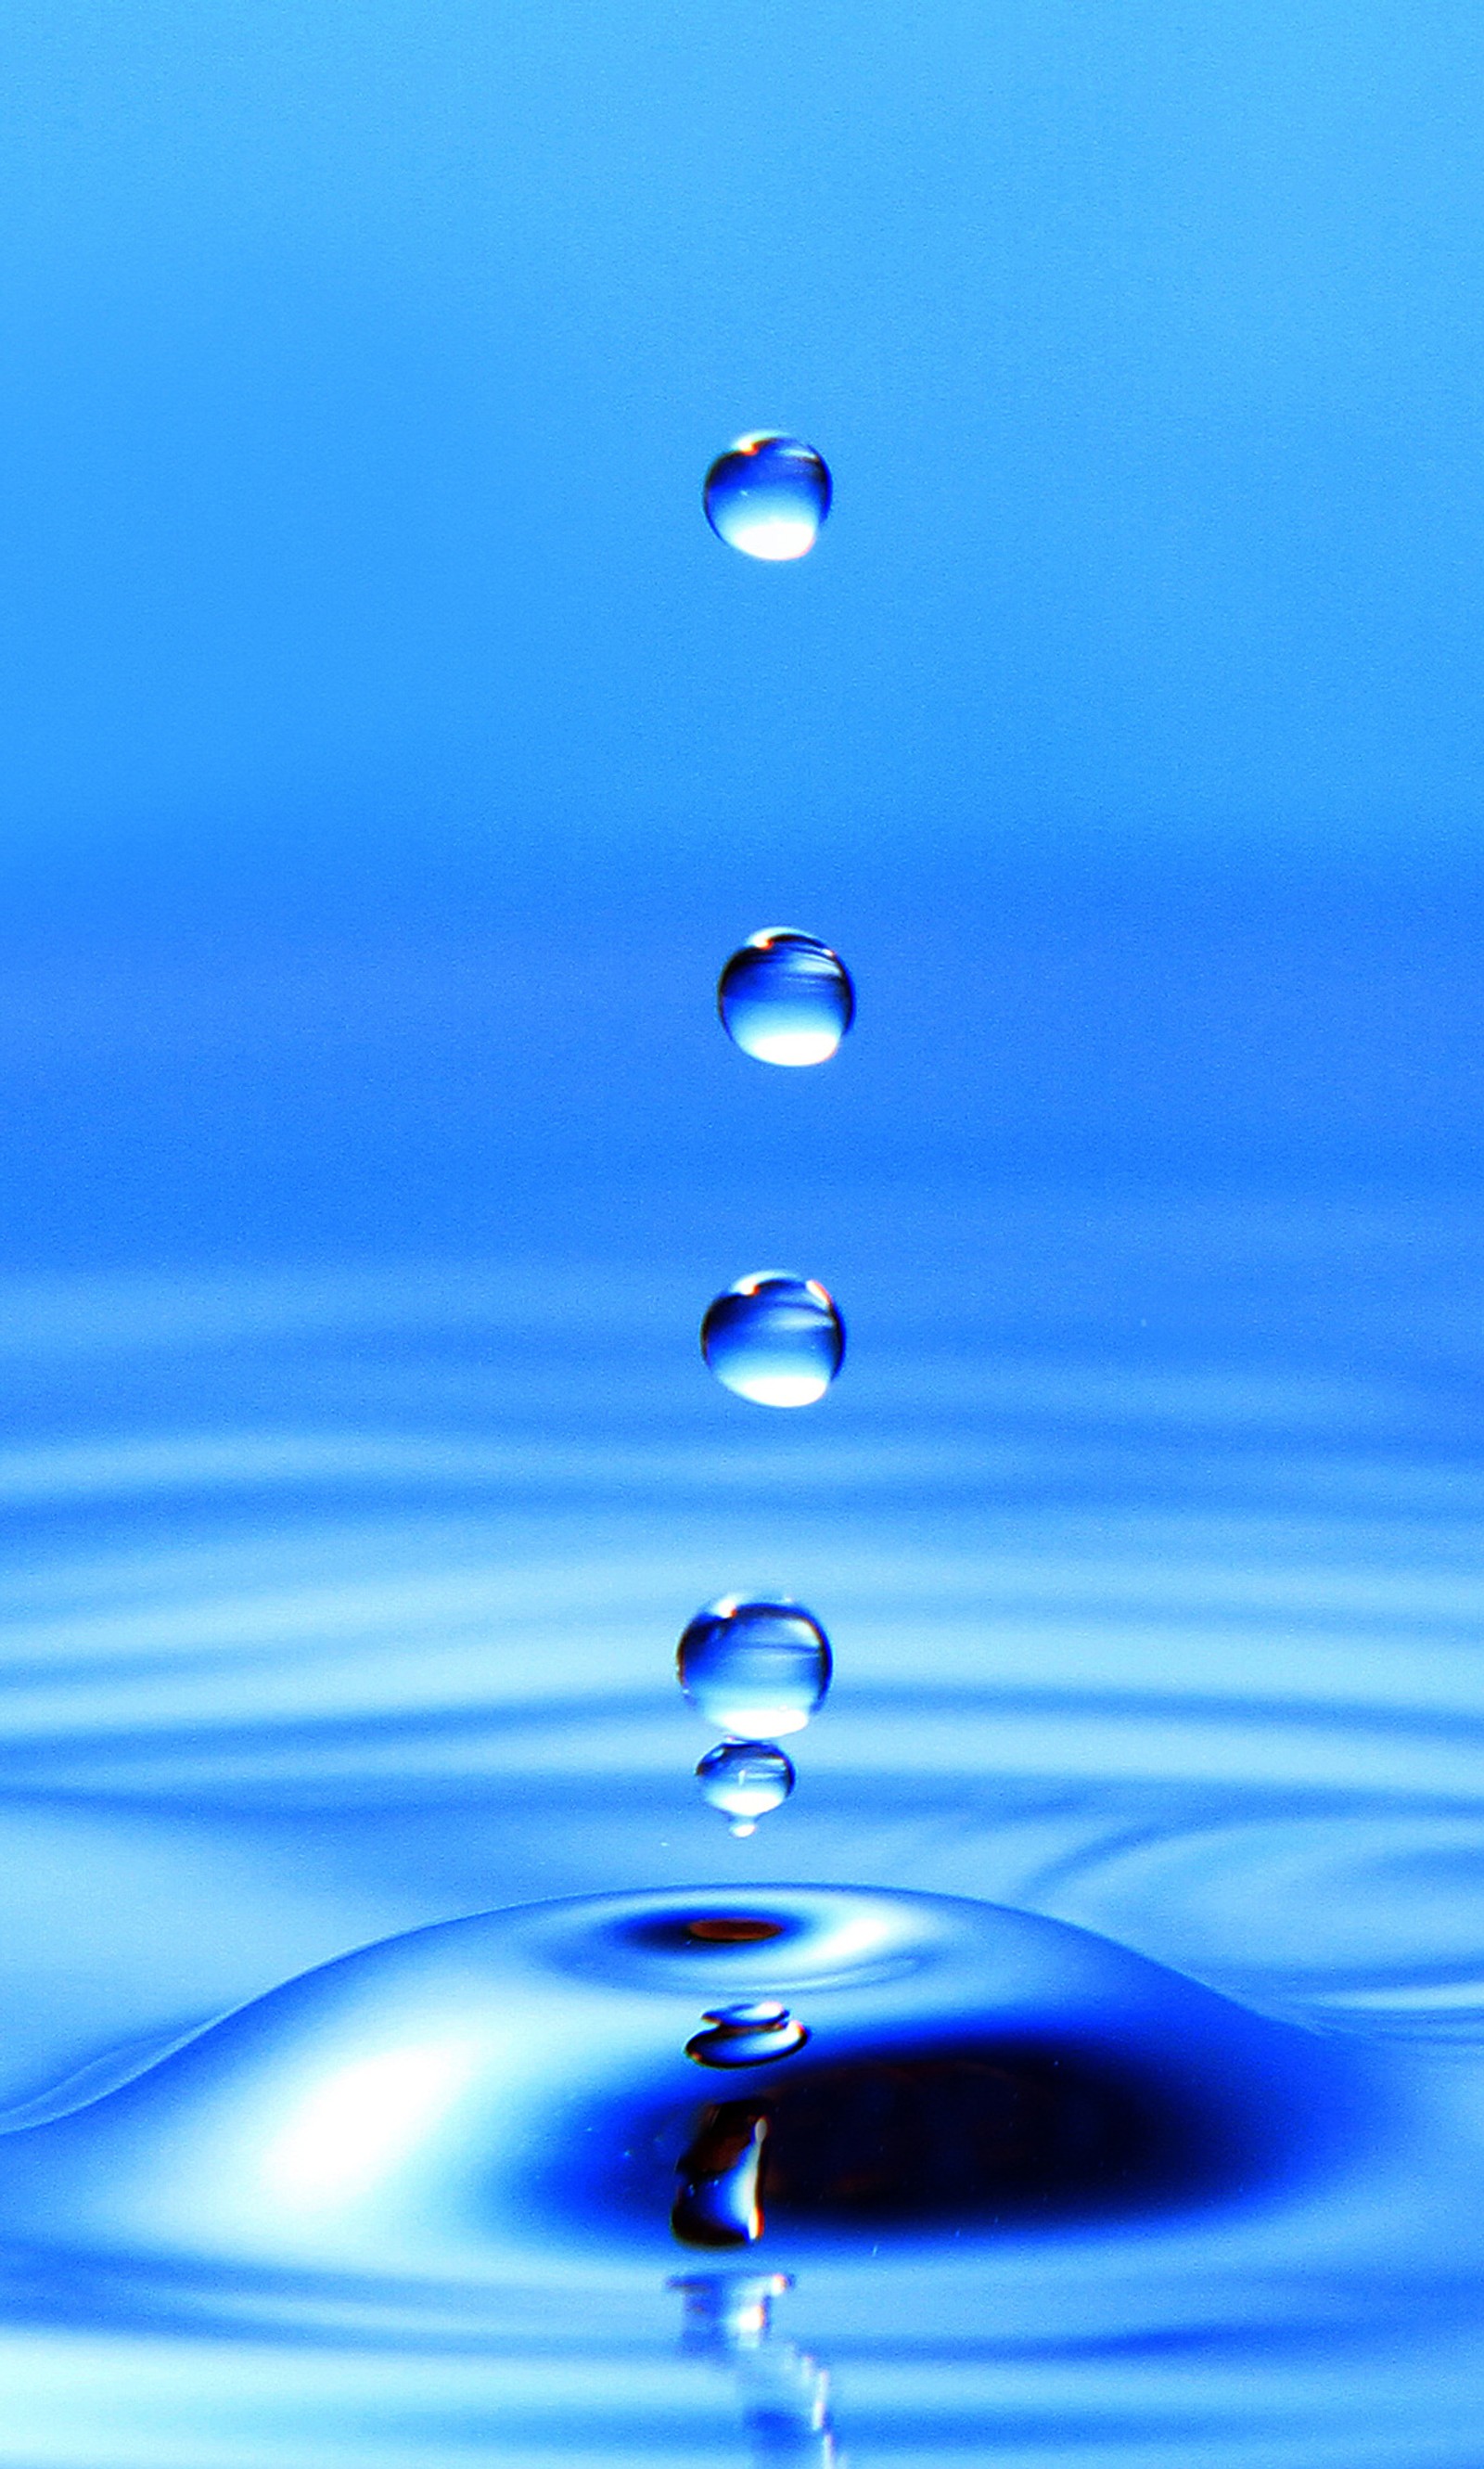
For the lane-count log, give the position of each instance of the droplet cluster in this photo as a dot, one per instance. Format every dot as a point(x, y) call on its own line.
point(757, 1667)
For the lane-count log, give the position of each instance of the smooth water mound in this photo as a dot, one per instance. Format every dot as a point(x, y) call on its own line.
point(774, 1339)
point(785, 998)
point(768, 496)
point(511, 2097)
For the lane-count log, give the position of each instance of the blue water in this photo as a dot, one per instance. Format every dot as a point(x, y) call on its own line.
point(343, 1604)
point(392, 759)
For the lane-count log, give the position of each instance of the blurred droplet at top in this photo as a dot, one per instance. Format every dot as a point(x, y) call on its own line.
point(746, 1779)
point(774, 1339)
point(768, 496)
point(757, 1667)
point(785, 998)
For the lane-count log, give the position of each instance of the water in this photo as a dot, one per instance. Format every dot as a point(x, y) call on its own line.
point(755, 2033)
point(324, 1626)
point(516, 2093)
point(716, 2200)
point(785, 998)
point(745, 1779)
point(756, 1666)
point(785, 2392)
point(774, 1339)
point(768, 496)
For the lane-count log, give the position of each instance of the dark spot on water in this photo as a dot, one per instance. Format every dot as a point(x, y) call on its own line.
point(979, 2135)
point(960, 2136)
point(732, 1929)
point(708, 1928)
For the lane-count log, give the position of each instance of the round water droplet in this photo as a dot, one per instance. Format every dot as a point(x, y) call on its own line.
point(785, 998)
point(774, 1338)
point(768, 496)
point(757, 1667)
point(745, 1779)
point(753, 2035)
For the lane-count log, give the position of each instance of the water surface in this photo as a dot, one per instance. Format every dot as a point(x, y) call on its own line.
point(343, 1603)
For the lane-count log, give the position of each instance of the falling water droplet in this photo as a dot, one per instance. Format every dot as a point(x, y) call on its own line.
point(774, 1339)
point(756, 1666)
point(785, 998)
point(750, 2035)
point(745, 1779)
point(768, 496)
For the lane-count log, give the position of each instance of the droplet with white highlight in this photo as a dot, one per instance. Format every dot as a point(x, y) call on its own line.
point(745, 1779)
point(774, 1339)
point(758, 1667)
point(785, 998)
point(768, 496)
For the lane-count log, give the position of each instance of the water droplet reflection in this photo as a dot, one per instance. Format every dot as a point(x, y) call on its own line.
point(727, 2312)
point(785, 2392)
point(785, 998)
point(745, 1779)
point(774, 1339)
point(768, 496)
point(757, 1666)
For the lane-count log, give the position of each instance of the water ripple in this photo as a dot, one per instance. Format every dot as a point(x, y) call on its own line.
point(341, 1604)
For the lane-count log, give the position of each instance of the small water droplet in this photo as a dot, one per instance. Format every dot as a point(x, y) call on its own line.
point(757, 1667)
point(785, 998)
point(750, 2035)
point(774, 1339)
point(745, 1779)
point(768, 496)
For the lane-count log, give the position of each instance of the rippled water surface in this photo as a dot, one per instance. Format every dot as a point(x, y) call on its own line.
point(342, 1606)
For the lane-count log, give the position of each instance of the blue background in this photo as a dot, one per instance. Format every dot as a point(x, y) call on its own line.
point(391, 754)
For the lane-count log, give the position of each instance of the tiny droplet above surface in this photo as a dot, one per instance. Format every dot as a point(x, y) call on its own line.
point(774, 1339)
point(768, 496)
point(758, 1667)
point(745, 1779)
point(785, 998)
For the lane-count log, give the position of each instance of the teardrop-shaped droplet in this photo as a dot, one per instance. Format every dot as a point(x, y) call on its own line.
point(785, 998)
point(745, 1779)
point(774, 1339)
point(757, 1667)
point(768, 496)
